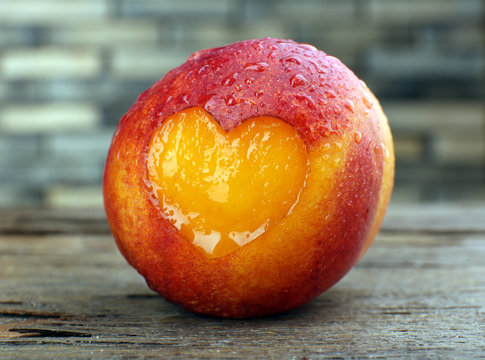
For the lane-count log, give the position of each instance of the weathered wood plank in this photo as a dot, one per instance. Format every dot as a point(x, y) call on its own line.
point(406, 217)
point(53, 221)
point(435, 218)
point(418, 293)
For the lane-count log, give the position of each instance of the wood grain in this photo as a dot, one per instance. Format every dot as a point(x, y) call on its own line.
point(66, 292)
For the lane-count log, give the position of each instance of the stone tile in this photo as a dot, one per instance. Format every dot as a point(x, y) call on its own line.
point(106, 34)
point(460, 148)
point(14, 150)
point(465, 35)
point(49, 62)
point(348, 38)
point(145, 63)
point(13, 36)
point(206, 34)
point(435, 117)
point(409, 148)
point(51, 11)
point(424, 63)
point(44, 172)
point(12, 196)
point(48, 118)
point(62, 196)
point(309, 11)
point(169, 9)
point(398, 12)
point(86, 147)
point(4, 93)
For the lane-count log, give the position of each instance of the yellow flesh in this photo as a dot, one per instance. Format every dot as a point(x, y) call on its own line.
point(222, 190)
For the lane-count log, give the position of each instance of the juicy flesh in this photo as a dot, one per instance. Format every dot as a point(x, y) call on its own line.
point(220, 189)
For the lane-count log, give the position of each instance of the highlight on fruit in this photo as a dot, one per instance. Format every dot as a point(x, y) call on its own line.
point(250, 179)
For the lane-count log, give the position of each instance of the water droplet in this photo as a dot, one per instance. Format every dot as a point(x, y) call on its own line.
point(250, 102)
point(249, 81)
point(291, 60)
point(231, 100)
point(322, 101)
point(330, 94)
point(229, 80)
point(367, 102)
point(203, 69)
point(308, 100)
point(198, 54)
point(358, 137)
point(337, 110)
point(298, 80)
point(183, 98)
point(257, 46)
point(321, 70)
point(308, 47)
point(188, 74)
point(210, 102)
point(258, 67)
point(204, 98)
point(382, 150)
point(349, 105)
point(259, 93)
point(314, 64)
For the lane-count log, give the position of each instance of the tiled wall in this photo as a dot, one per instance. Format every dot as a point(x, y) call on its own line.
point(70, 68)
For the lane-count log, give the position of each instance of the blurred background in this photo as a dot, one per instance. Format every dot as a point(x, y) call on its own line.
point(69, 69)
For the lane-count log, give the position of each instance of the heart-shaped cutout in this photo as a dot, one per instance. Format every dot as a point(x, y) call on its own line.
point(221, 189)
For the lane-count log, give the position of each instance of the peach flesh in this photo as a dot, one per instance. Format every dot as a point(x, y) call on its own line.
point(222, 190)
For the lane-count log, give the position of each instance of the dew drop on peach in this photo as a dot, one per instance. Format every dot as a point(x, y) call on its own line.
point(358, 137)
point(290, 60)
point(258, 67)
point(259, 93)
point(298, 80)
point(230, 100)
point(203, 69)
point(349, 105)
point(229, 80)
point(367, 102)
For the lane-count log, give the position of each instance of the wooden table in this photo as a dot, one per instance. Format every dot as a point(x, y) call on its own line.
point(66, 292)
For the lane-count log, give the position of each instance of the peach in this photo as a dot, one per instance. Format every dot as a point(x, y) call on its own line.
point(250, 179)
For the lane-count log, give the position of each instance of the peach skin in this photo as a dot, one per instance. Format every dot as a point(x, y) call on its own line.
point(249, 179)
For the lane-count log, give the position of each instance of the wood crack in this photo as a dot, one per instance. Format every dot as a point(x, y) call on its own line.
point(43, 333)
point(33, 314)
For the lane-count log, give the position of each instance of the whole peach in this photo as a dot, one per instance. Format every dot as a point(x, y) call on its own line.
point(347, 162)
